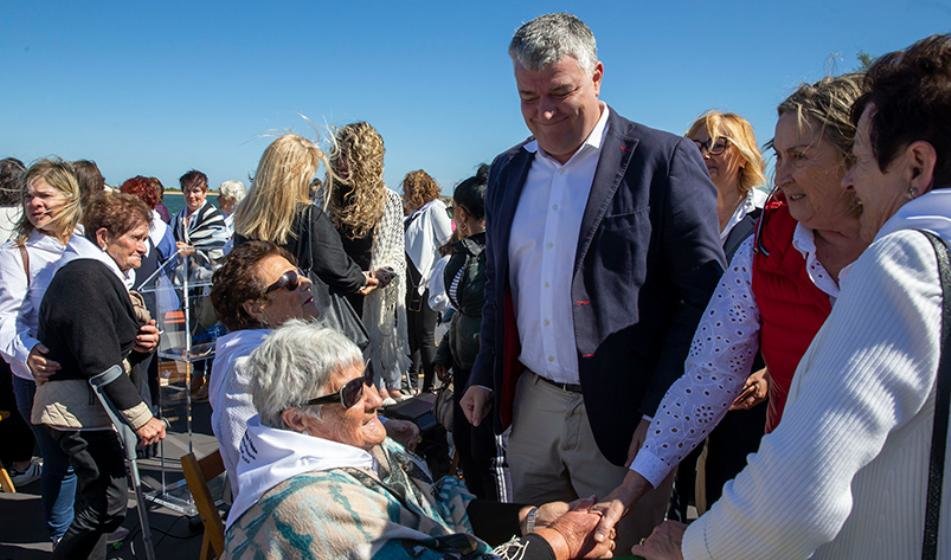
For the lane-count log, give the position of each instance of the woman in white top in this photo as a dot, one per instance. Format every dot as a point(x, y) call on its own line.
point(852, 452)
point(733, 160)
point(427, 228)
point(51, 211)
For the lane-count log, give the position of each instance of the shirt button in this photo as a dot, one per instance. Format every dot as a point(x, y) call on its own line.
point(550, 245)
point(554, 207)
point(547, 322)
point(547, 285)
point(551, 359)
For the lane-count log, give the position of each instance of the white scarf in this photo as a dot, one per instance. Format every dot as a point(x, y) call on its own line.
point(81, 248)
point(269, 456)
point(157, 229)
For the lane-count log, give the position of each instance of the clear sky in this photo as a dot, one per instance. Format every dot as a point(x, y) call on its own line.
point(158, 88)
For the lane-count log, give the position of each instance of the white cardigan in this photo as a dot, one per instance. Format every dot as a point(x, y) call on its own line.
point(844, 474)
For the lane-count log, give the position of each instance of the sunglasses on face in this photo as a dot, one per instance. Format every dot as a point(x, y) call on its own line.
point(711, 147)
point(350, 394)
point(290, 281)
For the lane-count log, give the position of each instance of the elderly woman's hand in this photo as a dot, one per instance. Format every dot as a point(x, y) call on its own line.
point(664, 543)
point(151, 432)
point(403, 431)
point(41, 366)
point(147, 338)
point(572, 534)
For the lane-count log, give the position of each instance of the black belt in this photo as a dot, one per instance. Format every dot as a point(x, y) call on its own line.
point(570, 387)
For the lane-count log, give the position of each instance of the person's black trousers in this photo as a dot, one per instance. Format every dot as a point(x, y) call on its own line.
point(421, 329)
point(480, 459)
point(15, 433)
point(102, 496)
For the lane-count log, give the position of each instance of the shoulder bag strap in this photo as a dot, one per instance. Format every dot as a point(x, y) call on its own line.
point(939, 434)
point(25, 257)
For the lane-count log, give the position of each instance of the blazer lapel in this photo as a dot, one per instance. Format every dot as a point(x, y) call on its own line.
point(514, 182)
point(619, 144)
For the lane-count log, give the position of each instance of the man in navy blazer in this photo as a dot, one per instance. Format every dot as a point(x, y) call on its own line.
point(602, 250)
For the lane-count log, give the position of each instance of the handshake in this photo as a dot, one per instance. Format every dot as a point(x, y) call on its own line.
point(568, 528)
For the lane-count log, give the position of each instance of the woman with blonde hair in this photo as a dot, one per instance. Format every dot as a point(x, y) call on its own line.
point(279, 209)
point(369, 218)
point(51, 202)
point(728, 146)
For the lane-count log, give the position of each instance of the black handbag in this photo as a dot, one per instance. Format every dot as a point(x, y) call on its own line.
point(939, 435)
point(335, 311)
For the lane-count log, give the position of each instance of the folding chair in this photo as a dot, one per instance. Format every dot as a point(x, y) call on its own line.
point(197, 474)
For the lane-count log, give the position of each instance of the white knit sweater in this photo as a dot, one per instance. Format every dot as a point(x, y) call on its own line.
point(844, 474)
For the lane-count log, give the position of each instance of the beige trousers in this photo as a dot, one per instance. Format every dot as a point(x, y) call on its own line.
point(552, 456)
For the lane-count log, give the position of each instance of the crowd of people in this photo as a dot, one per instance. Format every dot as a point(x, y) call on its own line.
point(633, 322)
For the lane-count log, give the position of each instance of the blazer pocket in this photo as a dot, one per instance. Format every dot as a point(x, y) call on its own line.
point(623, 243)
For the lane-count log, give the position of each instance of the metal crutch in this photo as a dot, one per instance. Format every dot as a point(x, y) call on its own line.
point(129, 441)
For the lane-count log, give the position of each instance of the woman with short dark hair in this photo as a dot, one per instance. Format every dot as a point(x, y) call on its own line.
point(258, 288)
point(91, 323)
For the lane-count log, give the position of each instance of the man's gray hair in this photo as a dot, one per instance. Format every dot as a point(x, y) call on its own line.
point(294, 365)
point(547, 39)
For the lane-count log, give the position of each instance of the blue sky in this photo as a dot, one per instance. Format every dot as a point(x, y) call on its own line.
point(158, 88)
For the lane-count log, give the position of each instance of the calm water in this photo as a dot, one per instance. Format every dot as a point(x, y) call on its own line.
point(174, 201)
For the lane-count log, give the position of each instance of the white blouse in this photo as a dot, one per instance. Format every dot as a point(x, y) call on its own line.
point(721, 355)
point(753, 200)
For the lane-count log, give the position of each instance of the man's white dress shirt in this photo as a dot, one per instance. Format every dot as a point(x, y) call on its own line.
point(542, 247)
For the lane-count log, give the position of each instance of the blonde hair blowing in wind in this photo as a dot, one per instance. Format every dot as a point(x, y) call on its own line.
point(281, 183)
point(358, 164)
point(59, 175)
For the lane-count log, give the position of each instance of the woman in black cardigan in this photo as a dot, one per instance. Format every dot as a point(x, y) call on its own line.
point(89, 323)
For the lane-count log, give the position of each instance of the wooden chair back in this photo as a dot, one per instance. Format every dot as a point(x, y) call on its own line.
point(197, 474)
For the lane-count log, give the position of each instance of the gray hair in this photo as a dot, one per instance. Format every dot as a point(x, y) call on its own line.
point(547, 39)
point(294, 365)
point(232, 189)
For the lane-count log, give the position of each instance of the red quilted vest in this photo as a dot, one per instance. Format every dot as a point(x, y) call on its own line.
point(791, 307)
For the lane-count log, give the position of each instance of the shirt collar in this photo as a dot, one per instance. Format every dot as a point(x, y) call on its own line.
point(593, 141)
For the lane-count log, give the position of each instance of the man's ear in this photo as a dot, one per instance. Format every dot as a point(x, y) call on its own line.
point(597, 77)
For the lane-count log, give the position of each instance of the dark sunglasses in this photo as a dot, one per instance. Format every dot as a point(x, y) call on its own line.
point(290, 281)
point(711, 147)
point(349, 394)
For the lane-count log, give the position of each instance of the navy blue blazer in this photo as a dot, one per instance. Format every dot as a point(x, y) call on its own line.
point(647, 261)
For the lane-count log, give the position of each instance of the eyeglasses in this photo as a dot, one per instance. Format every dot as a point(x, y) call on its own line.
point(348, 395)
point(713, 148)
point(290, 281)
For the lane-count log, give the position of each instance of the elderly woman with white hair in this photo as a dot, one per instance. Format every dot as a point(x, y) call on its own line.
point(320, 479)
point(230, 194)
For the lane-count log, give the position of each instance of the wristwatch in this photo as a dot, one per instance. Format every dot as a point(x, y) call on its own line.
point(530, 520)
